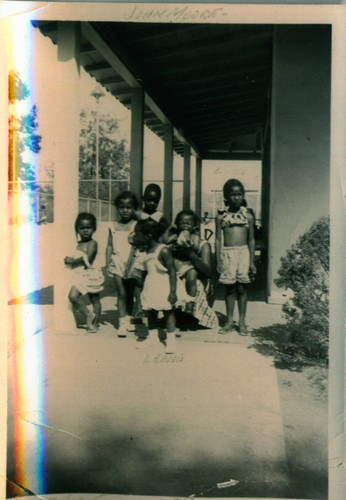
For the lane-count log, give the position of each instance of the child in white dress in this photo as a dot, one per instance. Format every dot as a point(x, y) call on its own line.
point(160, 284)
point(87, 279)
point(119, 255)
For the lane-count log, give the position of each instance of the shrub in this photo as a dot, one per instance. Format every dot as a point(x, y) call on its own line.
point(305, 270)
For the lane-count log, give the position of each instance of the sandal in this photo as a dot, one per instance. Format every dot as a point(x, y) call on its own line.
point(243, 331)
point(227, 328)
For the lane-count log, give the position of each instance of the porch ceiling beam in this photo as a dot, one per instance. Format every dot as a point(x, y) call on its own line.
point(111, 80)
point(232, 156)
point(214, 100)
point(156, 127)
point(247, 73)
point(224, 86)
point(112, 59)
point(173, 29)
point(87, 48)
point(236, 41)
point(247, 56)
point(159, 113)
point(226, 125)
point(229, 134)
point(212, 139)
point(231, 112)
point(153, 121)
point(107, 53)
point(46, 27)
point(100, 66)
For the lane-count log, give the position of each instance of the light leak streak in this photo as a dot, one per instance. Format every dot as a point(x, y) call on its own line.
point(27, 348)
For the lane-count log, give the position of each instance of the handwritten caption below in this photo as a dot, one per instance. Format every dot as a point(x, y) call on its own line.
point(174, 14)
point(163, 358)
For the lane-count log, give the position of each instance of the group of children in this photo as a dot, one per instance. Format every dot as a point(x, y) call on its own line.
point(151, 262)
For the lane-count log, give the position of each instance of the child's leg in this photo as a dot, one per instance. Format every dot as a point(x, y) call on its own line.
point(129, 288)
point(231, 295)
point(153, 333)
point(121, 293)
point(137, 310)
point(191, 287)
point(191, 282)
point(124, 320)
point(96, 303)
point(242, 303)
point(76, 299)
point(152, 316)
point(170, 328)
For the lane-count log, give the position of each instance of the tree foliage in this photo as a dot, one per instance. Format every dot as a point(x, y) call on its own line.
point(305, 270)
point(113, 153)
point(17, 90)
point(23, 134)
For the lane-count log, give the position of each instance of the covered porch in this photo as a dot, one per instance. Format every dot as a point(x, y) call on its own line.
point(210, 92)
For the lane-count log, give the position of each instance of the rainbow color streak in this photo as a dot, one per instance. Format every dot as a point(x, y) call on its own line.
point(27, 341)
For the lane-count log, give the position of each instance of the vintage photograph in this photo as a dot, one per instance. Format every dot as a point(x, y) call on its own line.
point(169, 230)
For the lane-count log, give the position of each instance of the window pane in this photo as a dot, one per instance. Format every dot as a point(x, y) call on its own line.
point(83, 205)
point(104, 191)
point(105, 206)
point(93, 208)
point(118, 187)
point(87, 189)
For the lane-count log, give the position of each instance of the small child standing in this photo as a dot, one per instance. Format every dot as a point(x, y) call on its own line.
point(87, 279)
point(235, 250)
point(118, 255)
point(184, 235)
point(160, 284)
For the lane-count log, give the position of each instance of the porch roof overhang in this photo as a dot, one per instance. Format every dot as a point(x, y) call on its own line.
point(210, 81)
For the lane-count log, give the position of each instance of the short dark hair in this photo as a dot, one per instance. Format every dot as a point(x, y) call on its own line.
point(231, 183)
point(228, 186)
point(86, 216)
point(152, 187)
point(149, 226)
point(187, 212)
point(126, 195)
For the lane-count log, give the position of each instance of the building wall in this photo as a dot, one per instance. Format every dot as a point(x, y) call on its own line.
point(300, 137)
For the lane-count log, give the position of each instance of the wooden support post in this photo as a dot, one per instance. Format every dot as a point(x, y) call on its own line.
point(168, 173)
point(198, 199)
point(137, 141)
point(187, 180)
point(66, 162)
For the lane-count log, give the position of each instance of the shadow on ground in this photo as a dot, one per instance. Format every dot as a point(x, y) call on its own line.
point(110, 461)
point(276, 341)
point(43, 296)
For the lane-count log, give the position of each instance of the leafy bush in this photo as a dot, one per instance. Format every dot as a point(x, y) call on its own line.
point(305, 270)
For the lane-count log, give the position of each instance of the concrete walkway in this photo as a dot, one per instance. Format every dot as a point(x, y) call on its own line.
point(121, 420)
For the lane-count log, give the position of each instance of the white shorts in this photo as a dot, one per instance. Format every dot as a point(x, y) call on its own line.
point(234, 265)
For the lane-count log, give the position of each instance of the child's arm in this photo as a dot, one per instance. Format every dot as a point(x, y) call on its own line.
point(109, 248)
point(170, 235)
point(91, 251)
point(167, 260)
point(218, 240)
point(202, 263)
point(86, 260)
point(251, 242)
point(195, 241)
